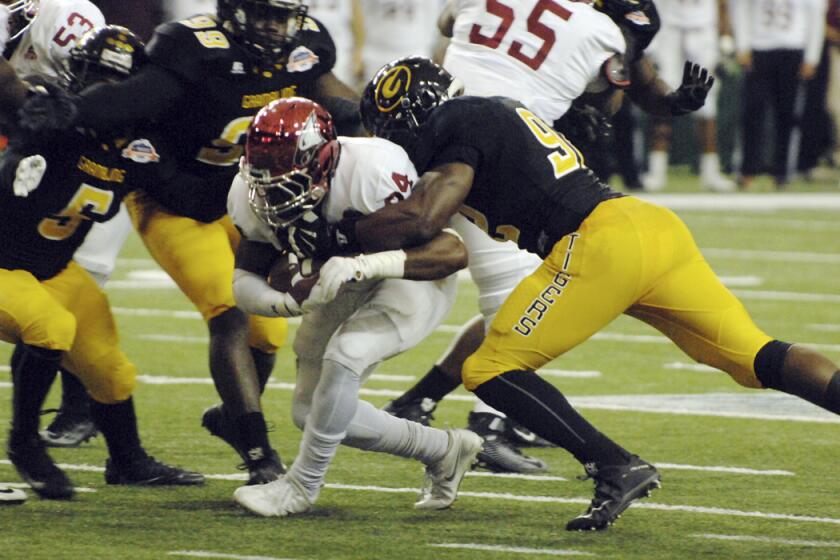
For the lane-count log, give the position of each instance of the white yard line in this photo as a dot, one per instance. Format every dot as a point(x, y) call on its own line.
point(512, 549)
point(768, 540)
point(518, 476)
point(824, 327)
point(24, 486)
point(574, 374)
point(767, 295)
point(745, 202)
point(690, 367)
point(389, 377)
point(209, 554)
point(774, 256)
point(767, 221)
point(166, 313)
point(729, 470)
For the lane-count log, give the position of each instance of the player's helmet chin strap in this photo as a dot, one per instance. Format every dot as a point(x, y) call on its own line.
point(28, 10)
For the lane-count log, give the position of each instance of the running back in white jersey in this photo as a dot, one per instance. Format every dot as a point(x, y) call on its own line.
point(688, 14)
point(337, 17)
point(397, 28)
point(542, 52)
point(57, 27)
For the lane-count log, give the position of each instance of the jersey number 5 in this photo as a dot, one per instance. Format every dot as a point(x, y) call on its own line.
point(87, 202)
point(535, 27)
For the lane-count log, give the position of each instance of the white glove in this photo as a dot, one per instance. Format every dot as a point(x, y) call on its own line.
point(30, 171)
point(337, 271)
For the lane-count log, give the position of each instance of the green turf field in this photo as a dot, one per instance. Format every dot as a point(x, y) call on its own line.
point(746, 475)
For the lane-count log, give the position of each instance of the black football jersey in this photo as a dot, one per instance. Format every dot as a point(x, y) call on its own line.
point(85, 182)
point(531, 185)
point(225, 89)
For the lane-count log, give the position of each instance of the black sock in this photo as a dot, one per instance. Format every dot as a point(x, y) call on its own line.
point(832, 394)
point(118, 424)
point(540, 407)
point(264, 362)
point(33, 373)
point(434, 385)
point(74, 397)
point(253, 434)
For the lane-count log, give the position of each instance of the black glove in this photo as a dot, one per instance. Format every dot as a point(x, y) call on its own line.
point(46, 109)
point(312, 237)
point(692, 93)
point(585, 126)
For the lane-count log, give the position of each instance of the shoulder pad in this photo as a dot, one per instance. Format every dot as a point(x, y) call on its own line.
point(314, 38)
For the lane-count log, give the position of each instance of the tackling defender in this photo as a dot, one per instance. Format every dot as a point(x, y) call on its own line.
point(604, 254)
point(296, 170)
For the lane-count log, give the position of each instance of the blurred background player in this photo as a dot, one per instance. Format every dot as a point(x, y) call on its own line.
point(296, 169)
point(207, 77)
point(53, 188)
point(689, 31)
point(778, 44)
point(343, 19)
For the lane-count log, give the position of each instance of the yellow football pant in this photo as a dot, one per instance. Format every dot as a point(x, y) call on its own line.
point(68, 312)
point(628, 256)
point(199, 258)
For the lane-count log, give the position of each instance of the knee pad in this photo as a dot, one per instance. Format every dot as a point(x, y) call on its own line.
point(299, 413)
point(56, 332)
point(769, 363)
point(116, 383)
point(267, 334)
point(473, 375)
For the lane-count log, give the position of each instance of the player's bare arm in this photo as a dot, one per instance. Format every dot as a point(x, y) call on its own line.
point(419, 218)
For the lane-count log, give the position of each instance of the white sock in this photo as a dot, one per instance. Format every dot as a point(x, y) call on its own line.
point(375, 430)
point(709, 165)
point(658, 163)
point(334, 404)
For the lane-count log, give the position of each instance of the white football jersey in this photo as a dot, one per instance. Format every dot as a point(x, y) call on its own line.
point(337, 17)
point(57, 27)
point(371, 172)
point(182, 9)
point(397, 28)
point(688, 14)
point(545, 64)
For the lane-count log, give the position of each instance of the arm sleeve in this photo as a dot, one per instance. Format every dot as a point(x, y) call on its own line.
point(253, 295)
point(144, 96)
point(816, 32)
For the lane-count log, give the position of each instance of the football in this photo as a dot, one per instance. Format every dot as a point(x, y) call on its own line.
point(294, 278)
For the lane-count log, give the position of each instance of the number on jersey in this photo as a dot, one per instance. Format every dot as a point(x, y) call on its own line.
point(87, 203)
point(566, 158)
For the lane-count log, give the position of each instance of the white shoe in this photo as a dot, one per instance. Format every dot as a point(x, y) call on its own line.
point(440, 487)
point(653, 183)
point(718, 183)
point(279, 498)
point(11, 496)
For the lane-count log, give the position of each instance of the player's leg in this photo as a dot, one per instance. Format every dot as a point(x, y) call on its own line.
point(701, 46)
point(110, 379)
point(42, 331)
point(713, 327)
point(199, 259)
point(756, 95)
point(590, 277)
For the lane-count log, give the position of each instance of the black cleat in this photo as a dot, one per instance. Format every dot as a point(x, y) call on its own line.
point(68, 429)
point(35, 466)
point(265, 468)
point(616, 487)
point(499, 454)
point(419, 410)
point(215, 421)
point(144, 470)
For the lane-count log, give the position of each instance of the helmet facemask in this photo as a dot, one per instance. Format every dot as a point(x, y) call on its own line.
point(22, 14)
point(266, 28)
point(289, 173)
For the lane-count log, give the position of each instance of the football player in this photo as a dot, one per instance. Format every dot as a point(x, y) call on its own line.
point(586, 52)
point(208, 76)
point(296, 170)
point(42, 34)
point(603, 254)
point(53, 190)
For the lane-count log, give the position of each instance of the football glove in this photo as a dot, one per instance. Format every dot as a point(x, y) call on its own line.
point(30, 171)
point(308, 236)
point(585, 126)
point(47, 108)
point(691, 95)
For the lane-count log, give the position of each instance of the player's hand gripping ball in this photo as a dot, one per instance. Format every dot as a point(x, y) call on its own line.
point(293, 277)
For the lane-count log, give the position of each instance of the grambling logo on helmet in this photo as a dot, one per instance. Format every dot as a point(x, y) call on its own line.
point(392, 88)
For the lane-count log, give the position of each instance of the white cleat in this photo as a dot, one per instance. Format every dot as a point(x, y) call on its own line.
point(11, 496)
point(718, 183)
point(440, 487)
point(282, 497)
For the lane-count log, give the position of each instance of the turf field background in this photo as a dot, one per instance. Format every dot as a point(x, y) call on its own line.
point(745, 475)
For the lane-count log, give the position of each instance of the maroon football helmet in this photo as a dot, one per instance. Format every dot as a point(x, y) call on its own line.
point(291, 152)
